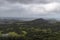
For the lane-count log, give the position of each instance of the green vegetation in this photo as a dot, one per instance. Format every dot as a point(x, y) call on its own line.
point(30, 30)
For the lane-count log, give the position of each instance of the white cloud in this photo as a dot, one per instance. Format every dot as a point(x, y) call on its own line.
point(18, 9)
point(42, 8)
point(35, 8)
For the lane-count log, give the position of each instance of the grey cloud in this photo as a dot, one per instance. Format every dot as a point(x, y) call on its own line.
point(33, 1)
point(11, 9)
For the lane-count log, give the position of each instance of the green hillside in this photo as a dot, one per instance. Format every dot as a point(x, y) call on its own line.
point(39, 29)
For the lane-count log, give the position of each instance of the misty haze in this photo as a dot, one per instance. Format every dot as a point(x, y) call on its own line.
point(29, 19)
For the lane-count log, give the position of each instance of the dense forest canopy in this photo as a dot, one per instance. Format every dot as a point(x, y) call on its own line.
point(38, 29)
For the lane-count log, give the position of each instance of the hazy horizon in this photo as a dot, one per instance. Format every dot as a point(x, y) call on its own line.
point(30, 8)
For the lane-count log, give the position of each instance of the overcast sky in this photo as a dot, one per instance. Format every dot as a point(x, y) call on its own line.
point(30, 8)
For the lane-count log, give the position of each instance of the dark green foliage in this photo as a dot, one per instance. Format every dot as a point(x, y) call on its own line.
point(39, 29)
